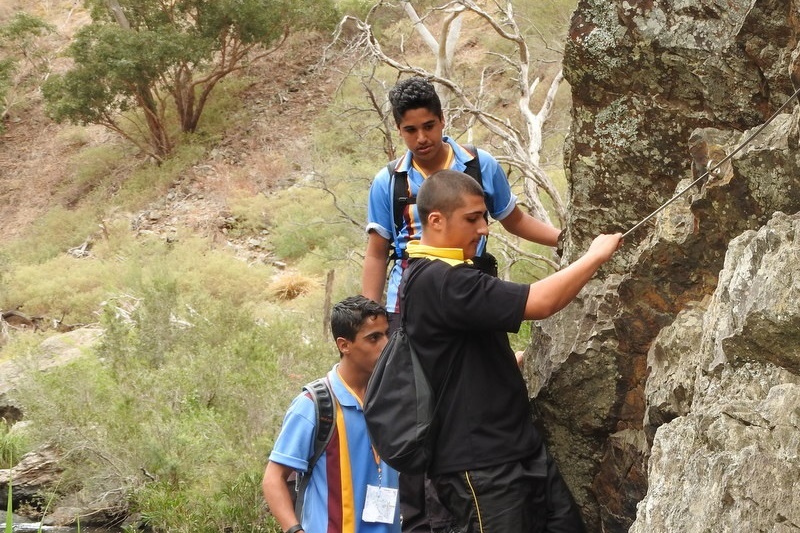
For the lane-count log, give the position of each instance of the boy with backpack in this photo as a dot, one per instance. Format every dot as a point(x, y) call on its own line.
point(489, 463)
point(393, 221)
point(392, 218)
point(349, 489)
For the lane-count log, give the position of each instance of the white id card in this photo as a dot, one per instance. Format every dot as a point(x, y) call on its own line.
point(379, 505)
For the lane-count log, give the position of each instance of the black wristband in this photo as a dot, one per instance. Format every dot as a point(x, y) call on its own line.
point(295, 528)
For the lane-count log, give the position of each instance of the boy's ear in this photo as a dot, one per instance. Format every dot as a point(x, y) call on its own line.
point(343, 345)
point(435, 219)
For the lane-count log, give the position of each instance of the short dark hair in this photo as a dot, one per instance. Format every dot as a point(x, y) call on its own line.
point(349, 315)
point(444, 191)
point(414, 93)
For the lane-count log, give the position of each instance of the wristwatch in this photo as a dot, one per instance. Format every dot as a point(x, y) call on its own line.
point(295, 528)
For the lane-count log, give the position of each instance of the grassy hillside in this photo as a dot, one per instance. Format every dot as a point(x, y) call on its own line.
point(208, 273)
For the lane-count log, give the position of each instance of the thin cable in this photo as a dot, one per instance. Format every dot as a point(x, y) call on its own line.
point(715, 167)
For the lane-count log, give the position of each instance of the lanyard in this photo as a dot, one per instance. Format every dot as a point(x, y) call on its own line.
point(375, 456)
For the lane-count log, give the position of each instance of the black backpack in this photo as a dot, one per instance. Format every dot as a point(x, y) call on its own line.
point(400, 405)
point(325, 409)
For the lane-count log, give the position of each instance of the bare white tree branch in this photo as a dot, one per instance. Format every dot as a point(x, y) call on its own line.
point(522, 148)
point(521, 137)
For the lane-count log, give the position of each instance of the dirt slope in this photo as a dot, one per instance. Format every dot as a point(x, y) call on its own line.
point(267, 151)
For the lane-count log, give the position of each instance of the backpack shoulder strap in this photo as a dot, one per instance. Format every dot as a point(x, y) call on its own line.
point(450, 366)
point(401, 196)
point(474, 170)
point(325, 408)
point(400, 199)
point(473, 165)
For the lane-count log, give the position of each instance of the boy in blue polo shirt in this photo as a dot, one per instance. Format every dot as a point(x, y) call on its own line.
point(417, 111)
point(418, 114)
point(351, 490)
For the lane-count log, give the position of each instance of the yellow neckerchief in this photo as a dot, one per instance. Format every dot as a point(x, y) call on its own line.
point(450, 155)
point(451, 256)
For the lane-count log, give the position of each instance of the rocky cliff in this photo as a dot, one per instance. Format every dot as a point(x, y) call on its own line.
point(670, 390)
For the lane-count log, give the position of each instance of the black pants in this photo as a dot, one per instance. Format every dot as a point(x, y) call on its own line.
point(420, 506)
point(527, 496)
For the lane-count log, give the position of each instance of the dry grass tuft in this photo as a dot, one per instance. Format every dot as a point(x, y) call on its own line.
point(289, 286)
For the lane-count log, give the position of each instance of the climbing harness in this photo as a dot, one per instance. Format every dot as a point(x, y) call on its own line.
point(715, 167)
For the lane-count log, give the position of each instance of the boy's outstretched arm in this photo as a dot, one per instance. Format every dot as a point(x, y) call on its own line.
point(529, 228)
point(276, 493)
point(551, 294)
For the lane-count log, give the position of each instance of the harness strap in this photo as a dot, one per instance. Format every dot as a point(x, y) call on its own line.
point(402, 197)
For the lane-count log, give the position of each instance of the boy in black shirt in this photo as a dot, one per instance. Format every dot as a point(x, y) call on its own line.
point(490, 467)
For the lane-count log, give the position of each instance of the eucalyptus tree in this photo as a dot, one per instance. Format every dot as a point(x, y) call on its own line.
point(19, 45)
point(6, 71)
point(139, 62)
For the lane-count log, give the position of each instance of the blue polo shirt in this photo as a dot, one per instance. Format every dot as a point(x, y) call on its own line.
point(335, 496)
point(380, 217)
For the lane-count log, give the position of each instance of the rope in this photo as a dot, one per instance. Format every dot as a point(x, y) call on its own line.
point(715, 167)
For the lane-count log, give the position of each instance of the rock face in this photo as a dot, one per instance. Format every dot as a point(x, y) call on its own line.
point(731, 454)
point(668, 390)
point(34, 471)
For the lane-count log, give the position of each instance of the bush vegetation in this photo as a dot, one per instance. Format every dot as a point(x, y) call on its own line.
point(177, 406)
point(145, 61)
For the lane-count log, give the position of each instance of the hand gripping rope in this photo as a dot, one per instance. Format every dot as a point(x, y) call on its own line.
point(715, 167)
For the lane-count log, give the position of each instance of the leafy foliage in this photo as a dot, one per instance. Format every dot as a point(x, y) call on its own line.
point(18, 43)
point(54, 232)
point(21, 30)
point(65, 286)
point(138, 55)
point(176, 383)
point(6, 71)
point(12, 446)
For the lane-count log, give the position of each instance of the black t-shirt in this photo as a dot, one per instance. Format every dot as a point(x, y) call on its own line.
point(459, 312)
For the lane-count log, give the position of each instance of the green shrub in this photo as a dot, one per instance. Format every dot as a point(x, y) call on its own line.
point(19, 347)
point(355, 8)
point(301, 225)
point(148, 182)
point(63, 288)
point(6, 70)
point(73, 136)
point(209, 272)
point(250, 213)
point(244, 506)
point(224, 109)
point(12, 446)
point(192, 393)
point(5, 266)
point(237, 508)
point(93, 167)
point(54, 233)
